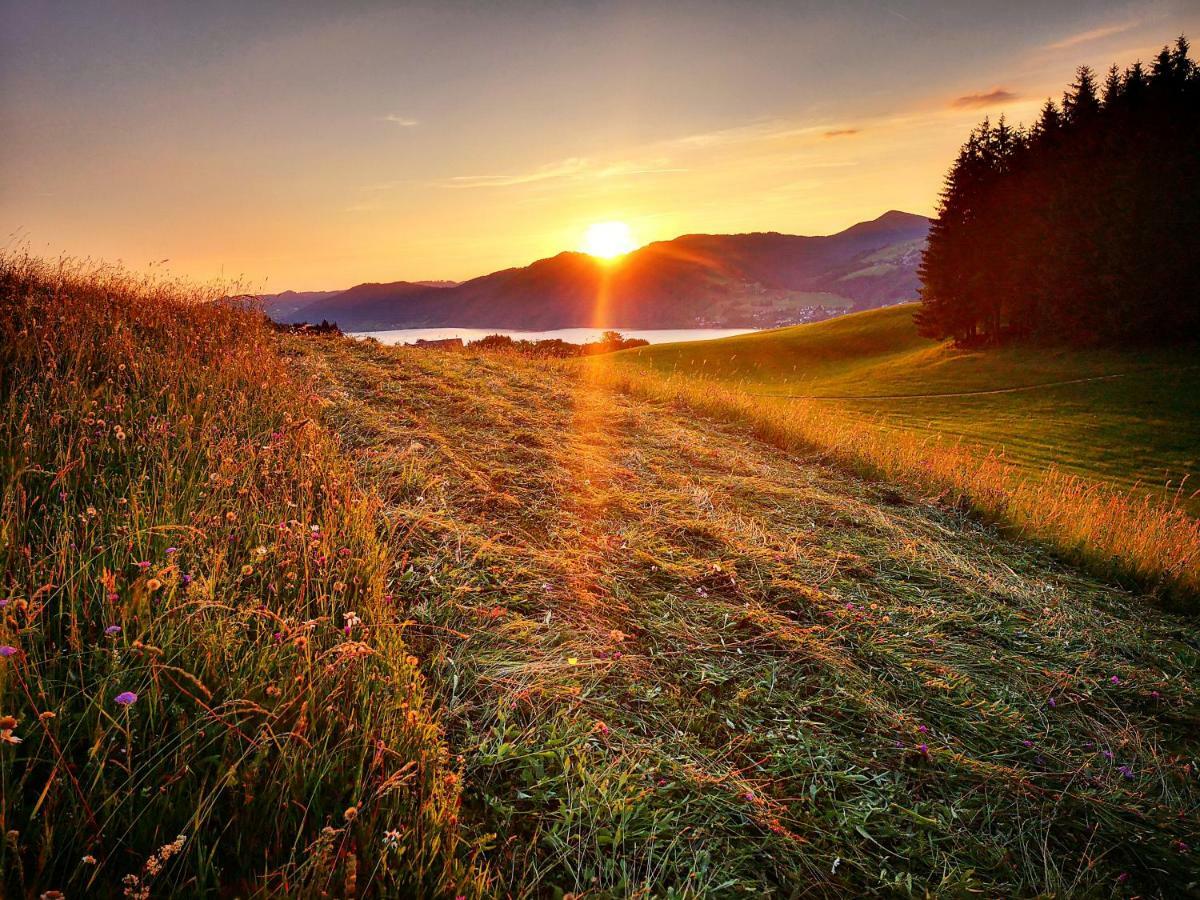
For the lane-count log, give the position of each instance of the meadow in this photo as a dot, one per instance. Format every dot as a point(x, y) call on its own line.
point(1130, 418)
point(203, 684)
point(304, 615)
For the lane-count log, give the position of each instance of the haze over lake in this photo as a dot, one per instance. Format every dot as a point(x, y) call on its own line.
point(570, 335)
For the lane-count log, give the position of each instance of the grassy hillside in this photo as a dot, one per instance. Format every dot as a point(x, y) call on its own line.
point(678, 661)
point(1125, 417)
point(203, 688)
point(286, 615)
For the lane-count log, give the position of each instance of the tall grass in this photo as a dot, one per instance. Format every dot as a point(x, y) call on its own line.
point(1149, 543)
point(202, 682)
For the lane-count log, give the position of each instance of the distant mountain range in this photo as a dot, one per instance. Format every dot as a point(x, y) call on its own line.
point(697, 280)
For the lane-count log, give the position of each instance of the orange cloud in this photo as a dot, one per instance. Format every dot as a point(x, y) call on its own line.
point(842, 132)
point(985, 98)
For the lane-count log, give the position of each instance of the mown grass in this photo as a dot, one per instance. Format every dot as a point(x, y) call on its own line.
point(1146, 538)
point(203, 683)
point(1138, 426)
point(679, 661)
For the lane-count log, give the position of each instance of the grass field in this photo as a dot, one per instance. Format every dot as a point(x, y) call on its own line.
point(288, 615)
point(1125, 417)
point(678, 661)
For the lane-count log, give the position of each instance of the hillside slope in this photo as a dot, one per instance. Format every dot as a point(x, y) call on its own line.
point(674, 658)
point(741, 280)
point(1126, 417)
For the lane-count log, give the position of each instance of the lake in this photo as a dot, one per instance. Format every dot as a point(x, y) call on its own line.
point(570, 335)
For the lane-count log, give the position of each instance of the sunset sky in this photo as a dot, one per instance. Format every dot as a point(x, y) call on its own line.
point(314, 146)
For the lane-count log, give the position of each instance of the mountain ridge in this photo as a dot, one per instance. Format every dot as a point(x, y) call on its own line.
point(753, 279)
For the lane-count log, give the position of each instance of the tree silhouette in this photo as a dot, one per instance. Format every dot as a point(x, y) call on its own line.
point(1085, 227)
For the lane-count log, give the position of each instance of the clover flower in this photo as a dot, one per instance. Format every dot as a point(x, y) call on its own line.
point(125, 698)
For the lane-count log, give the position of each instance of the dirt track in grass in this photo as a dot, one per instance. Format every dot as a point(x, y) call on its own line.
point(673, 658)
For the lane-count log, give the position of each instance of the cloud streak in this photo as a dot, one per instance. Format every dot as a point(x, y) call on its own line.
point(402, 121)
point(572, 169)
point(984, 98)
point(1093, 34)
point(842, 132)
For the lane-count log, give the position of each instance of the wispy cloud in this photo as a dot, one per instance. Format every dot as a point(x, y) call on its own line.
point(397, 119)
point(1093, 34)
point(573, 168)
point(982, 99)
point(842, 132)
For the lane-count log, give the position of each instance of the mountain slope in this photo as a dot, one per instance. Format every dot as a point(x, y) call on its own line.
point(743, 280)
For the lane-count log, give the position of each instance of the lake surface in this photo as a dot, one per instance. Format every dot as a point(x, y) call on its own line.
point(570, 335)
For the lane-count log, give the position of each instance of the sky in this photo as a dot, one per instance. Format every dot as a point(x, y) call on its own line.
point(315, 146)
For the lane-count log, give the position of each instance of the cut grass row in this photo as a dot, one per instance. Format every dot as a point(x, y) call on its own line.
point(1144, 538)
point(678, 661)
point(203, 686)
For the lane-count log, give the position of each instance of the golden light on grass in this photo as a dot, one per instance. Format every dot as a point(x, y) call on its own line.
point(608, 240)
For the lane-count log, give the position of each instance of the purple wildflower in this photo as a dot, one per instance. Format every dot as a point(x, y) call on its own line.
point(7, 650)
point(144, 564)
point(186, 579)
point(171, 550)
point(1114, 680)
point(923, 729)
point(1126, 771)
point(1108, 754)
point(112, 629)
point(923, 749)
point(1052, 703)
point(1026, 743)
point(125, 698)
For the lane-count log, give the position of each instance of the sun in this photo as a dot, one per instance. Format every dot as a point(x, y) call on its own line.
point(608, 240)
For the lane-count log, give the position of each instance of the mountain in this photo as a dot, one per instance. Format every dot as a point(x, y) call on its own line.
point(737, 280)
point(281, 306)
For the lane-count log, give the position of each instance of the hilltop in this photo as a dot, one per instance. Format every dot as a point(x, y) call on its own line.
point(742, 280)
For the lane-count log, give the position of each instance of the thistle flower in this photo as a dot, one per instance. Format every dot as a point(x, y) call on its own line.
point(112, 629)
point(1114, 680)
point(125, 698)
point(7, 651)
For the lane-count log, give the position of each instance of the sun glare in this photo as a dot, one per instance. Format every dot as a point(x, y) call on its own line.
point(608, 240)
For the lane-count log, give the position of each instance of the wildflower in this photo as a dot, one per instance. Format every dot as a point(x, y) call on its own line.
point(1026, 743)
point(153, 585)
point(572, 660)
point(261, 550)
point(172, 550)
point(112, 629)
point(1114, 680)
point(749, 795)
point(1126, 771)
point(602, 729)
point(47, 716)
point(52, 895)
point(125, 698)
point(144, 564)
point(247, 570)
point(1181, 846)
point(186, 579)
point(1051, 703)
point(1154, 694)
point(7, 651)
point(923, 729)
point(88, 860)
point(391, 839)
point(350, 814)
point(8, 723)
point(923, 749)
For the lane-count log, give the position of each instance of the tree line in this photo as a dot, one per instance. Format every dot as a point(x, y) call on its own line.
point(1085, 227)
